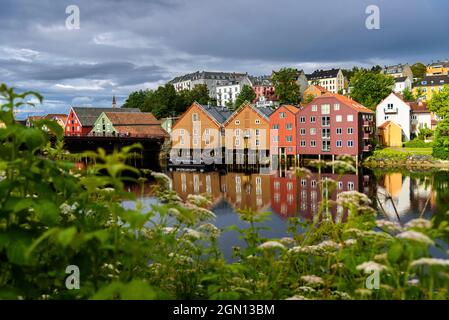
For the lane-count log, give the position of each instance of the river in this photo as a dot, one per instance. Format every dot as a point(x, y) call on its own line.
point(396, 195)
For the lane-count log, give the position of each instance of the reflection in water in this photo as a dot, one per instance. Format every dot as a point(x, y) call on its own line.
point(396, 195)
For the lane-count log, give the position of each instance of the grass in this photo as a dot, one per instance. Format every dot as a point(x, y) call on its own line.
point(420, 151)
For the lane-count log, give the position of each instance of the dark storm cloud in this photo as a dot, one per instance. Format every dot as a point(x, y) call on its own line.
point(124, 45)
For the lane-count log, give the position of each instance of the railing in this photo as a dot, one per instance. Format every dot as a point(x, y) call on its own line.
point(394, 110)
point(366, 123)
point(366, 136)
point(367, 148)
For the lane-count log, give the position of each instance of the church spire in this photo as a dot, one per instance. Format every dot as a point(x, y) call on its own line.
point(114, 104)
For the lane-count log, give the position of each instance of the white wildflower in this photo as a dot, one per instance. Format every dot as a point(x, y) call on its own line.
point(329, 245)
point(370, 266)
point(306, 289)
point(350, 242)
point(210, 229)
point(353, 198)
point(169, 230)
point(303, 172)
point(389, 225)
point(430, 262)
point(341, 295)
point(193, 234)
point(174, 212)
point(312, 279)
point(413, 282)
point(338, 265)
point(180, 258)
point(415, 236)
point(419, 224)
point(162, 178)
point(271, 245)
point(380, 257)
point(199, 200)
point(286, 241)
point(344, 166)
point(297, 297)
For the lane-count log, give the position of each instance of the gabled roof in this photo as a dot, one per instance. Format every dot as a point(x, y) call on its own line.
point(87, 115)
point(400, 79)
point(289, 107)
point(264, 112)
point(346, 101)
point(388, 123)
point(323, 74)
point(131, 118)
point(444, 64)
point(219, 113)
point(418, 107)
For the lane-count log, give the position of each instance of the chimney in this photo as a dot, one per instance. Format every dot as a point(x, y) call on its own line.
point(114, 104)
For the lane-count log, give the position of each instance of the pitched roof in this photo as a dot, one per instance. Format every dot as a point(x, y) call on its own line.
point(323, 74)
point(398, 68)
point(444, 64)
point(218, 113)
point(263, 111)
point(131, 118)
point(208, 75)
point(388, 123)
point(291, 108)
point(433, 81)
point(87, 115)
point(400, 79)
point(346, 101)
point(418, 107)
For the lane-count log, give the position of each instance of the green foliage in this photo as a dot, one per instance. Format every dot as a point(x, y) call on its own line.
point(418, 143)
point(440, 102)
point(399, 156)
point(408, 95)
point(165, 101)
point(370, 88)
point(309, 98)
point(247, 94)
point(419, 70)
point(441, 142)
point(286, 86)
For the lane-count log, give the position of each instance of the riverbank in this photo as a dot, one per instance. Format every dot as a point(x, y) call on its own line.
point(404, 158)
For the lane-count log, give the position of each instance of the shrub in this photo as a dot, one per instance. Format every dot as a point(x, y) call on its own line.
point(417, 143)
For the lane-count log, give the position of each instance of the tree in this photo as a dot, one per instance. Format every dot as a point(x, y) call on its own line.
point(285, 85)
point(309, 98)
point(408, 95)
point(419, 70)
point(136, 99)
point(247, 94)
point(370, 88)
point(440, 103)
point(419, 94)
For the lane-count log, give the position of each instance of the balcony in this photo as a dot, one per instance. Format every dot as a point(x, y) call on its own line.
point(367, 148)
point(366, 136)
point(367, 123)
point(391, 110)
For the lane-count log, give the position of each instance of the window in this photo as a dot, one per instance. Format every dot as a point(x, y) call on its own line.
point(325, 121)
point(303, 182)
point(275, 127)
point(275, 138)
point(338, 130)
point(338, 118)
point(312, 131)
point(257, 132)
point(336, 107)
point(195, 141)
point(326, 133)
point(338, 144)
point(207, 132)
point(277, 185)
point(313, 143)
point(237, 132)
point(387, 117)
point(302, 119)
point(350, 131)
point(325, 108)
point(195, 132)
point(303, 143)
point(289, 186)
point(390, 106)
point(350, 118)
point(302, 131)
point(237, 122)
point(289, 138)
point(282, 115)
point(288, 126)
point(312, 119)
point(237, 142)
point(313, 183)
point(340, 185)
point(194, 116)
point(257, 121)
point(350, 143)
point(325, 145)
point(350, 185)
point(314, 108)
point(257, 142)
point(181, 132)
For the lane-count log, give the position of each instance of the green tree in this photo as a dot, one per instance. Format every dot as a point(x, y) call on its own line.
point(247, 94)
point(309, 98)
point(440, 103)
point(136, 99)
point(285, 85)
point(408, 95)
point(419, 94)
point(419, 70)
point(370, 88)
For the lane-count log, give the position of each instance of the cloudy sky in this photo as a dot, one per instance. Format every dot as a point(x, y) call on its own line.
point(125, 45)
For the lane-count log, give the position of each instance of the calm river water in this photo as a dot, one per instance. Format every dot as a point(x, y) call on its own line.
point(398, 196)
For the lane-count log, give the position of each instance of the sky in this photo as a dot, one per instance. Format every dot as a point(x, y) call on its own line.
point(126, 45)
